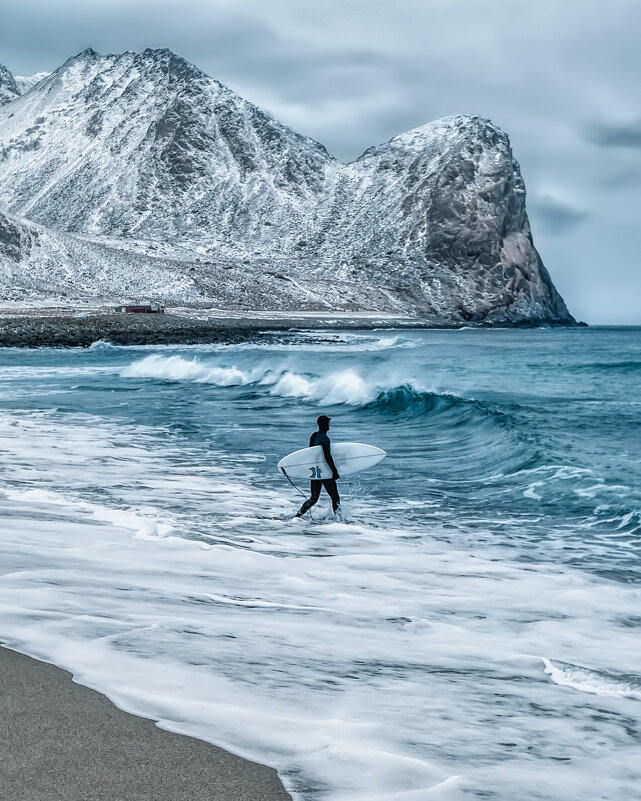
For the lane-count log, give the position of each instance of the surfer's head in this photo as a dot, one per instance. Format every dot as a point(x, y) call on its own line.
point(323, 422)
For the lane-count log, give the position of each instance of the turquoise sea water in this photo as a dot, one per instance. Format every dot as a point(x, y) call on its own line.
point(470, 630)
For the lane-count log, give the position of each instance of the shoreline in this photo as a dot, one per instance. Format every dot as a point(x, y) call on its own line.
point(41, 327)
point(61, 739)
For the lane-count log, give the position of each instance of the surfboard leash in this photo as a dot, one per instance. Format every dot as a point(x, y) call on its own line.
point(299, 491)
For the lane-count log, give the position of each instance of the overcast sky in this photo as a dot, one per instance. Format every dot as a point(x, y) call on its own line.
point(560, 76)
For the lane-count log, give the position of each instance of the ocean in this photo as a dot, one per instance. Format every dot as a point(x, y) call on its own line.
point(470, 630)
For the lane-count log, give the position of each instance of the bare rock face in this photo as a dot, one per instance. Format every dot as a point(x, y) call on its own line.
point(10, 239)
point(140, 174)
point(8, 87)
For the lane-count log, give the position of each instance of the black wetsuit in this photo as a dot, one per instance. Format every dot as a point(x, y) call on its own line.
point(321, 438)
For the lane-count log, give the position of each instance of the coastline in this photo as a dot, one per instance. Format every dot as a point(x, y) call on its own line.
point(51, 327)
point(63, 740)
point(40, 328)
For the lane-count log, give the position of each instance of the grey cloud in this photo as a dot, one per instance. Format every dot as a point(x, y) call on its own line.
point(621, 178)
point(555, 216)
point(623, 135)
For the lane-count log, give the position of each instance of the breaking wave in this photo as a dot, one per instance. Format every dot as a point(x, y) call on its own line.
point(343, 387)
point(175, 368)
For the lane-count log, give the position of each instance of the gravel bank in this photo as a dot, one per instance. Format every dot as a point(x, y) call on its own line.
point(36, 329)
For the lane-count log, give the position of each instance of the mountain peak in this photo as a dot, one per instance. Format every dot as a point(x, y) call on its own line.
point(162, 54)
point(171, 62)
point(87, 54)
point(455, 127)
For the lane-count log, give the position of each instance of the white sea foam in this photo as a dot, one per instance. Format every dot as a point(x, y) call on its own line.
point(588, 680)
point(291, 385)
point(343, 341)
point(145, 526)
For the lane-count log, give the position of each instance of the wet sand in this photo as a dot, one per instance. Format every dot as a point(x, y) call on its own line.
point(60, 740)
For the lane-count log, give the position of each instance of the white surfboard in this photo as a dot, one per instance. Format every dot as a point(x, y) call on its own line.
point(349, 457)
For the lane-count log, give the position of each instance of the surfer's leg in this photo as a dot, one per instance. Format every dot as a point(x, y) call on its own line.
point(315, 495)
point(332, 491)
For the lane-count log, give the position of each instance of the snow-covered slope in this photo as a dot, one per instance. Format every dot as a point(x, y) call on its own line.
point(145, 170)
point(40, 265)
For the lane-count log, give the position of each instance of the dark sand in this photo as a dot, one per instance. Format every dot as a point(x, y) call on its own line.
point(60, 741)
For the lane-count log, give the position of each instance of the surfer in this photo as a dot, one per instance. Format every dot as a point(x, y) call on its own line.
point(320, 438)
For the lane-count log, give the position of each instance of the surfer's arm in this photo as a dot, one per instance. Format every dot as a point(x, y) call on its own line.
point(330, 461)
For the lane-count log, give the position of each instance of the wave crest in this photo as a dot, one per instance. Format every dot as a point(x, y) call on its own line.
point(407, 398)
point(404, 397)
point(175, 368)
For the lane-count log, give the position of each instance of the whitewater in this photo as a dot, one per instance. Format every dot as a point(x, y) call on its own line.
point(469, 630)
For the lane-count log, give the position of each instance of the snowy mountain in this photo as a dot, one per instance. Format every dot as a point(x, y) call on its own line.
point(138, 175)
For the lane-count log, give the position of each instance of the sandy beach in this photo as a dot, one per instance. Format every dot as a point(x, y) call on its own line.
point(60, 740)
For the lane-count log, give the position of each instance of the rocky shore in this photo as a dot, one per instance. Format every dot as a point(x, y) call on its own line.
point(51, 328)
point(38, 329)
point(120, 329)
